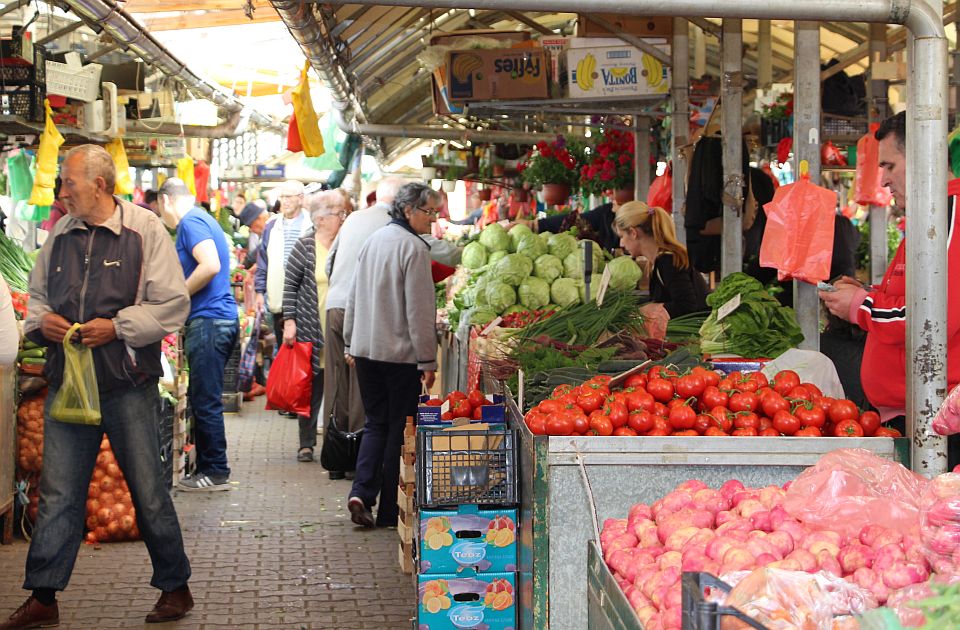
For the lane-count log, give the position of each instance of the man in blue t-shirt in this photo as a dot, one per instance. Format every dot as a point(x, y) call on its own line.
point(211, 330)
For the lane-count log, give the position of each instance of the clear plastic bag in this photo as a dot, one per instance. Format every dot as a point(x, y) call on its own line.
point(947, 420)
point(940, 523)
point(850, 488)
point(78, 399)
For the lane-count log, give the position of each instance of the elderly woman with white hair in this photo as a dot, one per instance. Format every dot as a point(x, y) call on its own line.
point(304, 300)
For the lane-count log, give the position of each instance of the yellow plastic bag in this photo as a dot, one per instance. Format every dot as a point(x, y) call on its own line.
point(124, 185)
point(45, 179)
point(78, 399)
point(308, 125)
point(185, 173)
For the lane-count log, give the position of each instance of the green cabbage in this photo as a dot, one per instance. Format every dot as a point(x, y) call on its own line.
point(512, 269)
point(531, 247)
point(496, 256)
point(481, 316)
point(474, 256)
point(564, 292)
point(500, 296)
point(516, 308)
point(560, 245)
point(534, 293)
point(548, 267)
point(594, 287)
point(625, 273)
point(573, 262)
point(495, 238)
point(545, 237)
point(517, 232)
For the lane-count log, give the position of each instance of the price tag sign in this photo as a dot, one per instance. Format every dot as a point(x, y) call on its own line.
point(729, 307)
point(493, 324)
point(604, 284)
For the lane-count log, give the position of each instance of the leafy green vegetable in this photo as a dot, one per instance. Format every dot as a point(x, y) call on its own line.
point(531, 247)
point(560, 245)
point(548, 267)
point(496, 256)
point(573, 262)
point(474, 256)
point(500, 296)
point(495, 238)
point(534, 293)
point(517, 233)
point(513, 268)
point(564, 292)
point(625, 273)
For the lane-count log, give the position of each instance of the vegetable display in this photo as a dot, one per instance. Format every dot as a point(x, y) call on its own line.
point(15, 264)
point(757, 327)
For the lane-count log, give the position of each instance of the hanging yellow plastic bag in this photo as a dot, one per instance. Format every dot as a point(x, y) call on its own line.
point(185, 173)
point(308, 125)
point(78, 399)
point(45, 179)
point(124, 185)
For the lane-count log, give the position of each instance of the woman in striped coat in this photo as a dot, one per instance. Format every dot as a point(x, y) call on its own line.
point(304, 301)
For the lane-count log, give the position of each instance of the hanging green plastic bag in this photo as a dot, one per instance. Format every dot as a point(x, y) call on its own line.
point(78, 399)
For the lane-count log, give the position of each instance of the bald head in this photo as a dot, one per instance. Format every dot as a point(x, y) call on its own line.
point(387, 189)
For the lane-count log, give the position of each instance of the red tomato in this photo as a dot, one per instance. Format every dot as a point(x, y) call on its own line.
point(808, 432)
point(772, 403)
point(786, 423)
point(624, 431)
point(810, 415)
point(824, 403)
point(601, 424)
point(870, 421)
point(477, 413)
point(723, 416)
point(446, 416)
point(618, 414)
point(785, 380)
point(602, 379)
point(813, 389)
point(744, 401)
point(765, 423)
point(640, 400)
point(800, 392)
point(747, 384)
point(715, 432)
point(690, 386)
point(550, 406)
point(704, 422)
point(769, 432)
point(456, 395)
point(660, 409)
point(476, 398)
point(745, 432)
point(640, 421)
point(661, 389)
point(848, 428)
point(686, 432)
point(537, 424)
point(589, 400)
point(746, 420)
point(559, 425)
point(765, 391)
point(580, 424)
point(842, 410)
point(887, 432)
point(461, 408)
point(596, 386)
point(760, 378)
point(726, 384)
point(660, 424)
point(636, 380)
point(560, 390)
point(434, 402)
point(710, 377)
point(682, 417)
point(713, 397)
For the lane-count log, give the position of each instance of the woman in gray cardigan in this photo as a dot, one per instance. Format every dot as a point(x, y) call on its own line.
point(390, 333)
point(304, 303)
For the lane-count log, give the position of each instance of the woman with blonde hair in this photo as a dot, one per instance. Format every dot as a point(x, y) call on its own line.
point(674, 283)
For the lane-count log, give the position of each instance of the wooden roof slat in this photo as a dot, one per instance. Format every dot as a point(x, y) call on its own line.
point(212, 19)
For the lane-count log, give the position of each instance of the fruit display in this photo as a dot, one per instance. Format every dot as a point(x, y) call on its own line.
point(457, 405)
point(661, 401)
point(111, 516)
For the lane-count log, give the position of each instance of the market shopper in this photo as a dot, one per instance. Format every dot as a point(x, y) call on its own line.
point(390, 333)
point(305, 288)
point(674, 284)
point(341, 391)
point(254, 215)
point(881, 310)
point(109, 265)
point(211, 331)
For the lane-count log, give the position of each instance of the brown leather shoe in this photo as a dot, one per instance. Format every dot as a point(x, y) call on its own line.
point(33, 614)
point(171, 606)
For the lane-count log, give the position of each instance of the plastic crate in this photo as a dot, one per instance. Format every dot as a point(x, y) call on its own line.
point(842, 127)
point(466, 467)
point(74, 80)
point(18, 71)
point(25, 101)
point(701, 614)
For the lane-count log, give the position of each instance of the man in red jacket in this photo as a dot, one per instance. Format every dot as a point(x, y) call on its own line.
point(881, 310)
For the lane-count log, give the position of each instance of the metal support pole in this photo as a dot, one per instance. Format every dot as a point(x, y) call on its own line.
point(106, 50)
point(699, 53)
point(877, 111)
point(764, 55)
point(680, 125)
point(806, 146)
point(57, 34)
point(926, 273)
point(641, 162)
point(731, 121)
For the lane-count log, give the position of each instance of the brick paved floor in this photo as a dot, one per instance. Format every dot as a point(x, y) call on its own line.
point(278, 551)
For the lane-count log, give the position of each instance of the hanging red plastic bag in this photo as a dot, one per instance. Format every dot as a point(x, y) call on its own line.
point(831, 155)
point(866, 187)
point(798, 239)
point(660, 194)
point(290, 382)
point(293, 135)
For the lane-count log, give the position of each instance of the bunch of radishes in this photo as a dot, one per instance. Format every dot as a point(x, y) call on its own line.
point(940, 523)
point(735, 528)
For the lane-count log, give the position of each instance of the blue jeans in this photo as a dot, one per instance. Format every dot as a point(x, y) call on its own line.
point(131, 421)
point(208, 345)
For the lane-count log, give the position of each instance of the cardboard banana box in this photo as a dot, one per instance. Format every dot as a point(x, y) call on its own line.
point(615, 71)
point(497, 74)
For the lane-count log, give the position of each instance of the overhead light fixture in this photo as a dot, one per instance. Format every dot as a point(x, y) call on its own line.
point(472, 12)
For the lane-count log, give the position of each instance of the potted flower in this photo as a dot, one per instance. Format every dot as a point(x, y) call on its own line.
point(450, 177)
point(611, 166)
point(776, 119)
point(554, 167)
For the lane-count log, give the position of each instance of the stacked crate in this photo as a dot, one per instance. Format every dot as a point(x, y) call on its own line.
point(232, 397)
point(22, 78)
point(406, 497)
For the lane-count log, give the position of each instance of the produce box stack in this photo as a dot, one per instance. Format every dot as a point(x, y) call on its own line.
point(182, 443)
point(466, 538)
point(406, 496)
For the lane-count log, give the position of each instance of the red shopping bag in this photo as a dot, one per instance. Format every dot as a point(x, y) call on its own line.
point(660, 194)
point(866, 187)
point(798, 238)
point(290, 382)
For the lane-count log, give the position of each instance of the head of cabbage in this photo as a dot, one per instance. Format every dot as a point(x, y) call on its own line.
point(531, 246)
point(534, 293)
point(481, 316)
point(495, 257)
point(500, 296)
point(573, 263)
point(516, 233)
point(513, 268)
point(564, 292)
point(474, 256)
point(625, 273)
point(547, 267)
point(495, 238)
point(560, 245)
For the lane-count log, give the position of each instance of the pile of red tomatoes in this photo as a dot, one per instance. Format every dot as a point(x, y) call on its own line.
point(700, 401)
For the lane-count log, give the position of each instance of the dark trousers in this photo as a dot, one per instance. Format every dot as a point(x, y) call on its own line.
point(389, 392)
point(308, 424)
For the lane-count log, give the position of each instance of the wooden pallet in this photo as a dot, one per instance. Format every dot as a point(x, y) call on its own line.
point(405, 529)
point(406, 501)
point(406, 557)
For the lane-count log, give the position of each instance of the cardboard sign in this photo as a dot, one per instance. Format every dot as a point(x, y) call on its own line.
point(729, 307)
point(604, 284)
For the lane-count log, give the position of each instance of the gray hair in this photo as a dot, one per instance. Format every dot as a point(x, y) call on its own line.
point(97, 163)
point(413, 195)
point(387, 189)
point(322, 202)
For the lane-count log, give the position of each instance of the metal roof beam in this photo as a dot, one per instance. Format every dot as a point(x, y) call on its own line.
point(60, 32)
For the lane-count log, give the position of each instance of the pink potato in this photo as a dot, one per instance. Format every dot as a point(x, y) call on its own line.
point(691, 486)
point(694, 560)
point(644, 613)
point(672, 618)
point(677, 500)
point(777, 516)
point(717, 547)
point(782, 541)
point(807, 561)
point(640, 511)
point(725, 516)
point(710, 500)
point(765, 559)
point(743, 495)
point(828, 562)
point(647, 534)
point(870, 580)
point(679, 538)
point(901, 574)
point(669, 559)
point(787, 564)
point(730, 488)
point(737, 559)
point(945, 540)
point(771, 496)
point(749, 507)
point(796, 530)
point(760, 546)
point(761, 520)
point(738, 524)
point(700, 539)
point(681, 519)
point(854, 556)
point(944, 512)
point(887, 556)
